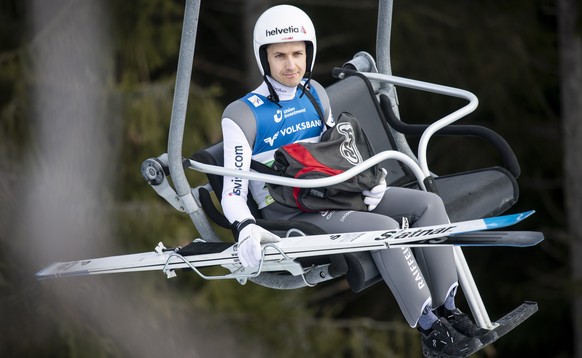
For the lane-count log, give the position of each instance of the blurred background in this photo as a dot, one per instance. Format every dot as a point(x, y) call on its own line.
point(86, 95)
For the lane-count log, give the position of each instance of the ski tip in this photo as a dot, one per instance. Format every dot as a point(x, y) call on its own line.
point(507, 220)
point(522, 216)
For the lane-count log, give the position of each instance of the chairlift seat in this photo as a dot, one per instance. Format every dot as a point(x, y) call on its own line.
point(468, 195)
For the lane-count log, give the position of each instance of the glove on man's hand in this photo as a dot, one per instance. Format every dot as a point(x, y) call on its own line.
point(250, 239)
point(374, 195)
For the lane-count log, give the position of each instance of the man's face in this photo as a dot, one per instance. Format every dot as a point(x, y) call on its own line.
point(287, 62)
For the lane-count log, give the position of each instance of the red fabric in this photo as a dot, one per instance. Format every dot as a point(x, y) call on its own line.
point(299, 153)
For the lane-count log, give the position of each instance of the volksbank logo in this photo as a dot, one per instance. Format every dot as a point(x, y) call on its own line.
point(288, 30)
point(292, 129)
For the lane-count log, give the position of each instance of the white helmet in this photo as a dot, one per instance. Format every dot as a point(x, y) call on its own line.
point(283, 23)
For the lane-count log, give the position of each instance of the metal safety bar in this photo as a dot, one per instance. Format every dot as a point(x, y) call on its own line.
point(439, 124)
point(312, 183)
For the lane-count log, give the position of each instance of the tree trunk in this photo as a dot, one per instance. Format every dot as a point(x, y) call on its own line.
point(570, 45)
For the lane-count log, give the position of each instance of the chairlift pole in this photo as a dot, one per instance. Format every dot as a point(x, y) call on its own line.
point(383, 34)
point(384, 29)
point(178, 120)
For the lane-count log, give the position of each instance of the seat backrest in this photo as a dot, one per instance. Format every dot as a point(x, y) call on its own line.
point(214, 155)
point(354, 94)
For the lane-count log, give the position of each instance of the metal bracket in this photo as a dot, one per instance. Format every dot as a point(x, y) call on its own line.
point(240, 273)
point(154, 171)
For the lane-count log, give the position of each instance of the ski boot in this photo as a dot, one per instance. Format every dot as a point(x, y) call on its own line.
point(462, 323)
point(443, 341)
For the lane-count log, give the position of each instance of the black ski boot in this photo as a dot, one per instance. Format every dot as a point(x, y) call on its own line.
point(443, 341)
point(462, 323)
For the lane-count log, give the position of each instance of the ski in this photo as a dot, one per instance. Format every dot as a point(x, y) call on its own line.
point(280, 255)
point(412, 235)
point(482, 238)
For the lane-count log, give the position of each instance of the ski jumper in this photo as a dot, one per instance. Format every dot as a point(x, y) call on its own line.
point(254, 127)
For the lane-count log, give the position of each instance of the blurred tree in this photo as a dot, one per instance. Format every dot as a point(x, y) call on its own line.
point(570, 40)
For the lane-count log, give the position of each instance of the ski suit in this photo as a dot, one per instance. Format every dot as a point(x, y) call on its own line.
point(254, 127)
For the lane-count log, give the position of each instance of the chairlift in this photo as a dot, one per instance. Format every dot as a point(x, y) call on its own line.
point(366, 88)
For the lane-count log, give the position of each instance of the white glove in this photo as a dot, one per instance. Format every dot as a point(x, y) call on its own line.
point(374, 195)
point(250, 239)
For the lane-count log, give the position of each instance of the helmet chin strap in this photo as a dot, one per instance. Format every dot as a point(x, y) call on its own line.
point(273, 96)
point(305, 86)
point(308, 65)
